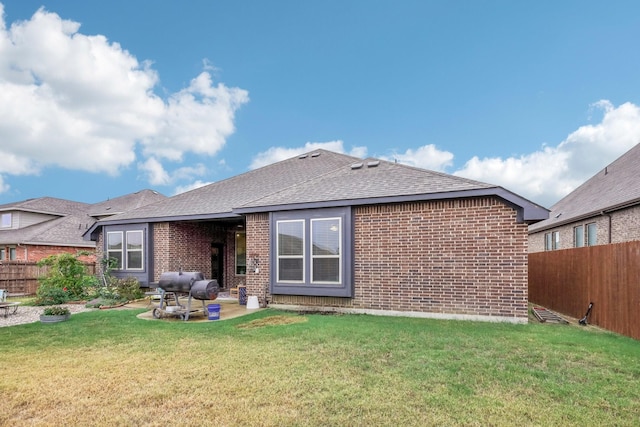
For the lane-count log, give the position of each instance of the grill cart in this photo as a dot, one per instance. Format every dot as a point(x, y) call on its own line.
point(186, 284)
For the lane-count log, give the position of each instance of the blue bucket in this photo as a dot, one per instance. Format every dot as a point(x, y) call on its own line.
point(214, 311)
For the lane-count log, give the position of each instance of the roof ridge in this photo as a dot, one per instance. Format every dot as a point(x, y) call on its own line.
point(311, 179)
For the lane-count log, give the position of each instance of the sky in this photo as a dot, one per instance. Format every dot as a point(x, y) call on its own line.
point(103, 99)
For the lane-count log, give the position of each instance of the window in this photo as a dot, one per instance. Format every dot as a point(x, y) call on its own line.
point(552, 241)
point(290, 250)
point(311, 252)
point(3, 254)
point(114, 248)
point(326, 244)
point(578, 236)
point(134, 250)
point(127, 248)
point(5, 220)
point(241, 253)
point(592, 234)
point(12, 254)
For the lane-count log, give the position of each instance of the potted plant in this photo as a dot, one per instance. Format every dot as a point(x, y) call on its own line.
point(55, 314)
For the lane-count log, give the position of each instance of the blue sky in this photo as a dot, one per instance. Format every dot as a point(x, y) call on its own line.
point(101, 99)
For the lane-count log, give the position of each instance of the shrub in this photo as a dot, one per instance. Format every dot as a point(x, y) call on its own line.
point(48, 295)
point(66, 280)
point(115, 289)
point(56, 310)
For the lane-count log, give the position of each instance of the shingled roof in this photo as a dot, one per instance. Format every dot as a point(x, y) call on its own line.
point(315, 179)
point(63, 222)
point(614, 187)
point(68, 220)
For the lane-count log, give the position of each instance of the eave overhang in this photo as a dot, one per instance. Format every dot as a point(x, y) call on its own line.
point(528, 212)
point(92, 233)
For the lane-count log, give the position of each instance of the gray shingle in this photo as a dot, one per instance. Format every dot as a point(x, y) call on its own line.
point(69, 219)
point(221, 197)
point(319, 176)
point(368, 179)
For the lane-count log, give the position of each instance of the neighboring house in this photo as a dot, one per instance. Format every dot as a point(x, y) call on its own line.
point(33, 229)
point(326, 231)
point(605, 209)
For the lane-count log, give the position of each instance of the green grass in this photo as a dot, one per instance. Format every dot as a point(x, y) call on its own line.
point(110, 368)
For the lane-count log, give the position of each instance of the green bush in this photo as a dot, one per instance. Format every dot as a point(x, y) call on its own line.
point(51, 295)
point(56, 310)
point(115, 289)
point(129, 289)
point(66, 280)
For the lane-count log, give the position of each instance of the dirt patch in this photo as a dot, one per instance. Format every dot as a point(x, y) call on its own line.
point(272, 321)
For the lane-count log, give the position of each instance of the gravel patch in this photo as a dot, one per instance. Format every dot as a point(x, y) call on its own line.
point(30, 314)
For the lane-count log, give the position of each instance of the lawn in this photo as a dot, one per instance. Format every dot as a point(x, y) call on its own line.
point(274, 368)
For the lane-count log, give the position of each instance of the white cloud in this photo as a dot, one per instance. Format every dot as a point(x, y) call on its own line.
point(549, 174)
point(192, 186)
point(276, 154)
point(3, 187)
point(84, 103)
point(426, 157)
point(156, 174)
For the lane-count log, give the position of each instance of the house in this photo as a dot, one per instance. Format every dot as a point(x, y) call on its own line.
point(326, 231)
point(603, 210)
point(586, 253)
point(36, 228)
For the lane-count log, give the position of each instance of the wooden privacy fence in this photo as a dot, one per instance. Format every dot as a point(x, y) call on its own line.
point(567, 280)
point(21, 278)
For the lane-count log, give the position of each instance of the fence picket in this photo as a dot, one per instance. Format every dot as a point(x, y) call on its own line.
point(21, 278)
point(567, 280)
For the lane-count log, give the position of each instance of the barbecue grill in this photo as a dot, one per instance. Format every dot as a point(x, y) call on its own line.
point(180, 283)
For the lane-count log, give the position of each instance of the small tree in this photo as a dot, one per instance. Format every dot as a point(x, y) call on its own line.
point(66, 280)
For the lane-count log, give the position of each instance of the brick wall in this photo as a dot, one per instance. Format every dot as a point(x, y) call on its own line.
point(456, 257)
point(257, 226)
point(465, 257)
point(34, 253)
point(187, 246)
point(624, 225)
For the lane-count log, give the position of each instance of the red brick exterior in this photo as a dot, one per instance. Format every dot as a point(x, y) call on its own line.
point(258, 256)
point(34, 253)
point(187, 247)
point(455, 257)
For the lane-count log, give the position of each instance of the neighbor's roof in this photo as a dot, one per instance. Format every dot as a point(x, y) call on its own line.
point(46, 205)
point(614, 187)
point(318, 178)
point(125, 203)
point(67, 220)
